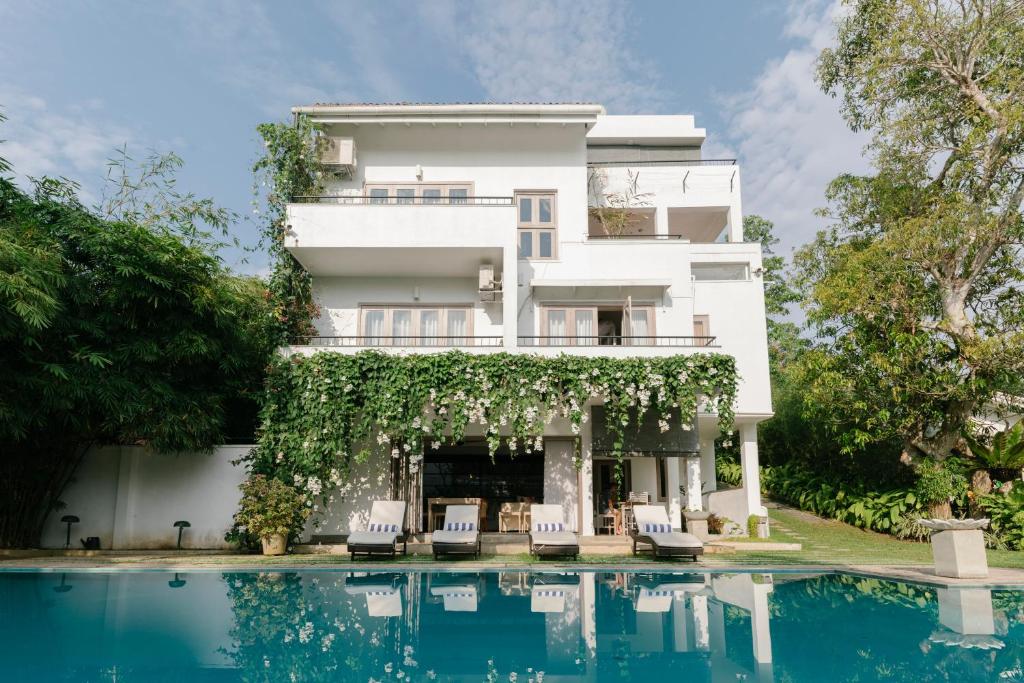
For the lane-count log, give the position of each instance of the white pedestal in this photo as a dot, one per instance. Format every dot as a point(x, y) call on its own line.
point(960, 554)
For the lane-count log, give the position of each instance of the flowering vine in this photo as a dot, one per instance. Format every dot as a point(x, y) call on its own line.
point(322, 412)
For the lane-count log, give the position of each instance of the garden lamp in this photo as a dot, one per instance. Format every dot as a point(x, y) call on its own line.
point(63, 587)
point(178, 582)
point(69, 520)
point(182, 525)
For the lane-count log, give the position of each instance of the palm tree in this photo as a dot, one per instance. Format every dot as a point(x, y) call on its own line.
point(1005, 453)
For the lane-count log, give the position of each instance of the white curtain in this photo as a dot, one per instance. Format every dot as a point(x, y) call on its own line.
point(556, 328)
point(585, 328)
point(457, 324)
point(639, 327)
point(430, 327)
point(401, 327)
point(373, 327)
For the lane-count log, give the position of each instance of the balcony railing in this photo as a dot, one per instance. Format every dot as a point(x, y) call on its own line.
point(550, 340)
point(634, 237)
point(665, 162)
point(403, 341)
point(360, 200)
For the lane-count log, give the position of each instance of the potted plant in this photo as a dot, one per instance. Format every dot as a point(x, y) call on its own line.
point(271, 511)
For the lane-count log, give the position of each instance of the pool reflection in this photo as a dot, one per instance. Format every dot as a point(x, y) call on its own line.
point(515, 626)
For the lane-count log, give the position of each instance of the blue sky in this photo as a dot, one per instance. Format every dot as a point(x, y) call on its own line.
point(80, 79)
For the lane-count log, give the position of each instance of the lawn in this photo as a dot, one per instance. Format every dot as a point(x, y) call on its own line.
point(830, 542)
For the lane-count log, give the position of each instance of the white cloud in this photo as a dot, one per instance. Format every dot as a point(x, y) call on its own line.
point(549, 51)
point(77, 143)
point(789, 135)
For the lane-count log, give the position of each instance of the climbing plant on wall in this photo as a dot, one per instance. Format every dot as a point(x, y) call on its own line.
point(289, 167)
point(323, 412)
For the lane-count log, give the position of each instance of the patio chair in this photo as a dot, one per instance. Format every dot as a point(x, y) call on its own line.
point(460, 535)
point(383, 596)
point(383, 532)
point(654, 529)
point(549, 534)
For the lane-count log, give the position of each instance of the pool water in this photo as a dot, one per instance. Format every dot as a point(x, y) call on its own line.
point(501, 626)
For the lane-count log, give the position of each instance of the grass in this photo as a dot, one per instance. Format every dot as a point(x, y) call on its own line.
point(830, 542)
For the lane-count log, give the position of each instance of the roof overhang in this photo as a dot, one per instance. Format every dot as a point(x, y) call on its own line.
point(452, 113)
point(609, 286)
point(646, 130)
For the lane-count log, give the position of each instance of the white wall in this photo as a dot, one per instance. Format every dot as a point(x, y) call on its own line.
point(561, 480)
point(348, 509)
point(130, 497)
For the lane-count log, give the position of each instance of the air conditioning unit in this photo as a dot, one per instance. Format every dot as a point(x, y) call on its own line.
point(338, 154)
point(490, 287)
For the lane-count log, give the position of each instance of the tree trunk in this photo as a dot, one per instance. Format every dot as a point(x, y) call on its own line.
point(34, 476)
point(941, 510)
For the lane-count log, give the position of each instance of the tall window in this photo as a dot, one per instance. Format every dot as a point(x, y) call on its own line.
point(628, 325)
point(426, 325)
point(537, 223)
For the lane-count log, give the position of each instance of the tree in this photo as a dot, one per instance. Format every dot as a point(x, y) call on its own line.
point(914, 293)
point(110, 332)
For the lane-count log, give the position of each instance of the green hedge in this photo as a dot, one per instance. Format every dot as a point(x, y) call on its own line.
point(884, 511)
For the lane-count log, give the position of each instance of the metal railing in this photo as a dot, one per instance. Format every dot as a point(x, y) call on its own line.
point(634, 237)
point(665, 162)
point(604, 340)
point(361, 200)
point(439, 341)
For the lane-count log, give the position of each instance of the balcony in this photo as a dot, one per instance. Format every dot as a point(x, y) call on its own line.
point(341, 235)
point(606, 342)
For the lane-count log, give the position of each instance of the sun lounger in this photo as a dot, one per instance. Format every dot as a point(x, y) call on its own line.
point(549, 535)
point(654, 529)
point(658, 598)
point(548, 593)
point(459, 534)
point(383, 532)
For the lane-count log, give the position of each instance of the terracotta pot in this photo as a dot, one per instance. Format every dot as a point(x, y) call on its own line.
point(274, 544)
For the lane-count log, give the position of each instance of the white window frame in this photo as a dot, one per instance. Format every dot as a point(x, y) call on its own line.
point(535, 226)
point(392, 189)
point(744, 264)
point(570, 321)
point(387, 338)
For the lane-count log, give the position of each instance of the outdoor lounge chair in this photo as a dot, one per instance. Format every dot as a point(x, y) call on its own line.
point(654, 529)
point(549, 535)
point(383, 532)
point(658, 597)
point(459, 535)
point(456, 598)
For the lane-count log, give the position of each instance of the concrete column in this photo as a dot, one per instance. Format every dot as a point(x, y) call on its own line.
point(680, 624)
point(672, 492)
point(701, 622)
point(510, 295)
point(694, 503)
point(661, 220)
point(707, 463)
point(588, 612)
point(750, 466)
point(586, 479)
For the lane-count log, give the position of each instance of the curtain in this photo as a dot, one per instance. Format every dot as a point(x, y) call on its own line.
point(430, 327)
point(401, 327)
point(457, 327)
point(556, 328)
point(373, 328)
point(640, 330)
point(585, 328)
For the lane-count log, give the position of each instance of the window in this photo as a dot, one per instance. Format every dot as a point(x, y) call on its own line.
point(426, 325)
point(537, 224)
point(418, 193)
point(597, 325)
point(717, 272)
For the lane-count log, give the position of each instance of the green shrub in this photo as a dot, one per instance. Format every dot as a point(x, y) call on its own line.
point(716, 524)
point(1007, 514)
point(268, 506)
point(752, 522)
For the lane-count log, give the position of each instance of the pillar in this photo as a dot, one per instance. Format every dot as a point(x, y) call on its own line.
point(707, 463)
point(586, 478)
point(510, 295)
point(672, 492)
point(694, 502)
point(760, 624)
point(749, 463)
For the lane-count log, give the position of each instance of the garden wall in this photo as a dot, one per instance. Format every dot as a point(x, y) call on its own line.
point(130, 498)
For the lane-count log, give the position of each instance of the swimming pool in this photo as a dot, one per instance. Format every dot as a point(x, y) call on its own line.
point(513, 626)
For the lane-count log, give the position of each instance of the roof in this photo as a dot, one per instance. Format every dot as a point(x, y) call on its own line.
point(408, 112)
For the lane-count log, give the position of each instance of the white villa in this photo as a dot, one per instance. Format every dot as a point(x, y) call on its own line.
point(473, 226)
point(478, 227)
